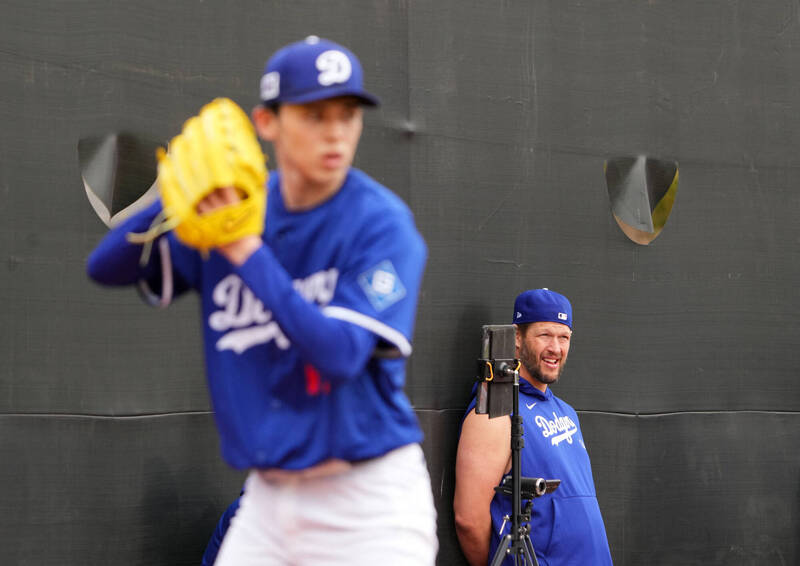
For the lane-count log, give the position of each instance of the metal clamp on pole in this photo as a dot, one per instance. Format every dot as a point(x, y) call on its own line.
point(499, 371)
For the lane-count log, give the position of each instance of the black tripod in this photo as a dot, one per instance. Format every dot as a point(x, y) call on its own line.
point(498, 383)
point(518, 542)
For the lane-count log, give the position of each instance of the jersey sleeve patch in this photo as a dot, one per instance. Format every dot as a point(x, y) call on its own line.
point(382, 285)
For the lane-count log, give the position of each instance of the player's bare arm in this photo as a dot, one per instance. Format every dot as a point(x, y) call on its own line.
point(484, 456)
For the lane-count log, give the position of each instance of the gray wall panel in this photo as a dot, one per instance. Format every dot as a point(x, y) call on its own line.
point(88, 490)
point(705, 307)
point(698, 488)
point(522, 150)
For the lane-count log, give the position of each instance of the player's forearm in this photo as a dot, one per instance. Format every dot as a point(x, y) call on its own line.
point(474, 543)
point(337, 349)
point(240, 251)
point(115, 261)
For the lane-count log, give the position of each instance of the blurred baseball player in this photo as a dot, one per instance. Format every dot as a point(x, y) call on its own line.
point(307, 322)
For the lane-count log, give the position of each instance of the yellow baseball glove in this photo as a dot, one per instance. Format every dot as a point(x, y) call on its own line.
point(217, 148)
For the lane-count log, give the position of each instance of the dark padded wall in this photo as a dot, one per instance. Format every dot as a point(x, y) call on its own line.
point(497, 119)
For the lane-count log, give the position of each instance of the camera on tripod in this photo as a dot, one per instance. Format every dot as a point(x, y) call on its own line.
point(530, 488)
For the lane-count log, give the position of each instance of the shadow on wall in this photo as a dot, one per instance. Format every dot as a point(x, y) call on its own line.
point(442, 427)
point(177, 516)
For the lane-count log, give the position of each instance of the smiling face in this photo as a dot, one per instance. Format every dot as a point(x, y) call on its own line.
point(315, 143)
point(542, 348)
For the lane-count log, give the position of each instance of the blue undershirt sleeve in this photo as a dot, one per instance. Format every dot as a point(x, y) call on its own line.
point(115, 261)
point(339, 350)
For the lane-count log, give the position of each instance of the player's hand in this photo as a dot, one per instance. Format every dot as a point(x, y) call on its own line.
point(215, 151)
point(223, 196)
point(236, 252)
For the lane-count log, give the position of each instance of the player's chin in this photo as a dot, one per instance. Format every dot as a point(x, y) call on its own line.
point(549, 376)
point(326, 173)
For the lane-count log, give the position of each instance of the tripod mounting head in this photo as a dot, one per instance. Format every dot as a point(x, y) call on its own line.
point(496, 370)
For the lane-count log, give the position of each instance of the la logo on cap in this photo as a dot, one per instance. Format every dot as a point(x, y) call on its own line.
point(334, 67)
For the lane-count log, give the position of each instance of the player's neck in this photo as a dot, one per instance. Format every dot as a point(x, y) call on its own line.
point(535, 382)
point(300, 193)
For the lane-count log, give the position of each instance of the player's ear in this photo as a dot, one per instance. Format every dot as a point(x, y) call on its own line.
point(517, 336)
point(265, 121)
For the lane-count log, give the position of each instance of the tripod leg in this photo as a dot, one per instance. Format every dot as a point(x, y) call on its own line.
point(502, 550)
point(526, 539)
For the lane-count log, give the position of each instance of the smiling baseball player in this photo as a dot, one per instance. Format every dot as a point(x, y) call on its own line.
point(567, 527)
point(308, 311)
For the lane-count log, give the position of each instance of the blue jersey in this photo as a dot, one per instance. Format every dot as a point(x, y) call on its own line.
point(566, 525)
point(305, 343)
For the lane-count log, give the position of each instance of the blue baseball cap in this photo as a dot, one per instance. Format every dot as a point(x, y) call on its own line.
point(542, 305)
point(313, 69)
